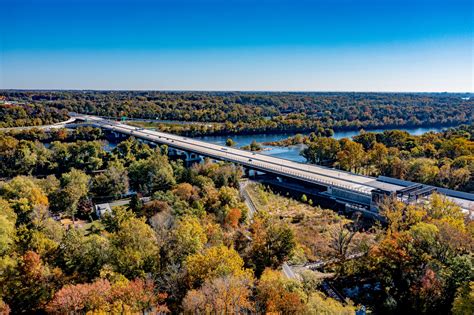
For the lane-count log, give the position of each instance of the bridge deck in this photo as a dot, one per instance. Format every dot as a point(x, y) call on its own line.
point(359, 184)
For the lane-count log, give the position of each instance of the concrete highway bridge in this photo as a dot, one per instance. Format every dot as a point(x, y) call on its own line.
point(354, 192)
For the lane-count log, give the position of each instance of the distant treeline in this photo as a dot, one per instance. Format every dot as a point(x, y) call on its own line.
point(243, 111)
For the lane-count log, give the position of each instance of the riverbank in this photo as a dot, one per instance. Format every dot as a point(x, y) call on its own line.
point(201, 129)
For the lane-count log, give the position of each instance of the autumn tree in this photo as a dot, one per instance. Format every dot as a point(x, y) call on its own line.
point(275, 294)
point(7, 227)
point(464, 302)
point(102, 296)
point(272, 243)
point(29, 285)
point(224, 295)
point(188, 237)
point(351, 156)
point(24, 195)
point(214, 262)
point(135, 249)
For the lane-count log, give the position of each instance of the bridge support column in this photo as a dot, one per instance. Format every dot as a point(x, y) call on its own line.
point(191, 158)
point(246, 171)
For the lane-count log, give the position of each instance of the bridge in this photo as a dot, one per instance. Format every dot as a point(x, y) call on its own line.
point(356, 192)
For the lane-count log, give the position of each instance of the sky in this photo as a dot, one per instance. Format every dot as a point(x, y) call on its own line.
point(251, 45)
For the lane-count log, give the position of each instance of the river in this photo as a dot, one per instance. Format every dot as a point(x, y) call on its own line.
point(293, 152)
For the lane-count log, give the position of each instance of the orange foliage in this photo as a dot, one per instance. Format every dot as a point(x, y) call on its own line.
point(233, 217)
point(134, 296)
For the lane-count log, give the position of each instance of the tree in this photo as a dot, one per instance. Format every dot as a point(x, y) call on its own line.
point(188, 237)
point(319, 304)
point(214, 262)
point(367, 139)
point(132, 150)
point(112, 183)
point(272, 243)
point(351, 156)
point(322, 151)
point(423, 170)
point(74, 187)
point(233, 217)
point(230, 143)
point(119, 215)
point(136, 203)
point(4, 308)
point(30, 284)
point(24, 196)
point(186, 192)
point(85, 255)
point(134, 296)
point(275, 294)
point(86, 155)
point(378, 156)
point(223, 295)
point(135, 249)
point(255, 146)
point(341, 241)
point(152, 174)
point(464, 302)
point(422, 260)
point(7, 234)
point(7, 227)
point(304, 198)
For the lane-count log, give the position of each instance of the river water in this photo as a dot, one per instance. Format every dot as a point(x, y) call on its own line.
point(293, 152)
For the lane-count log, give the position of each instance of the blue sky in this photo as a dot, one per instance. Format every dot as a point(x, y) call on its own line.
point(338, 45)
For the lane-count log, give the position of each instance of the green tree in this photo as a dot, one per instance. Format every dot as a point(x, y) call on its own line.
point(322, 150)
point(113, 182)
point(119, 215)
point(230, 143)
point(74, 186)
point(84, 255)
point(464, 302)
point(152, 174)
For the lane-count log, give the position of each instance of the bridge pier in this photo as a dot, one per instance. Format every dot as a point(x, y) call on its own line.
point(189, 158)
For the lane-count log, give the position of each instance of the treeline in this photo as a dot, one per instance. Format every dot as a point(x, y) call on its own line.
point(258, 112)
point(30, 114)
point(444, 159)
point(190, 248)
point(60, 134)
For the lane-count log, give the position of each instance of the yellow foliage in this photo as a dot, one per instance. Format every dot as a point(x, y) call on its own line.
point(213, 262)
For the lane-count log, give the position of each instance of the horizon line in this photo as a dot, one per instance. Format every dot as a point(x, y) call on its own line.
point(234, 91)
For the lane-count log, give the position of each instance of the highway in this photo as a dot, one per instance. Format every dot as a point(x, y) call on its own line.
point(359, 184)
point(62, 124)
point(305, 172)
